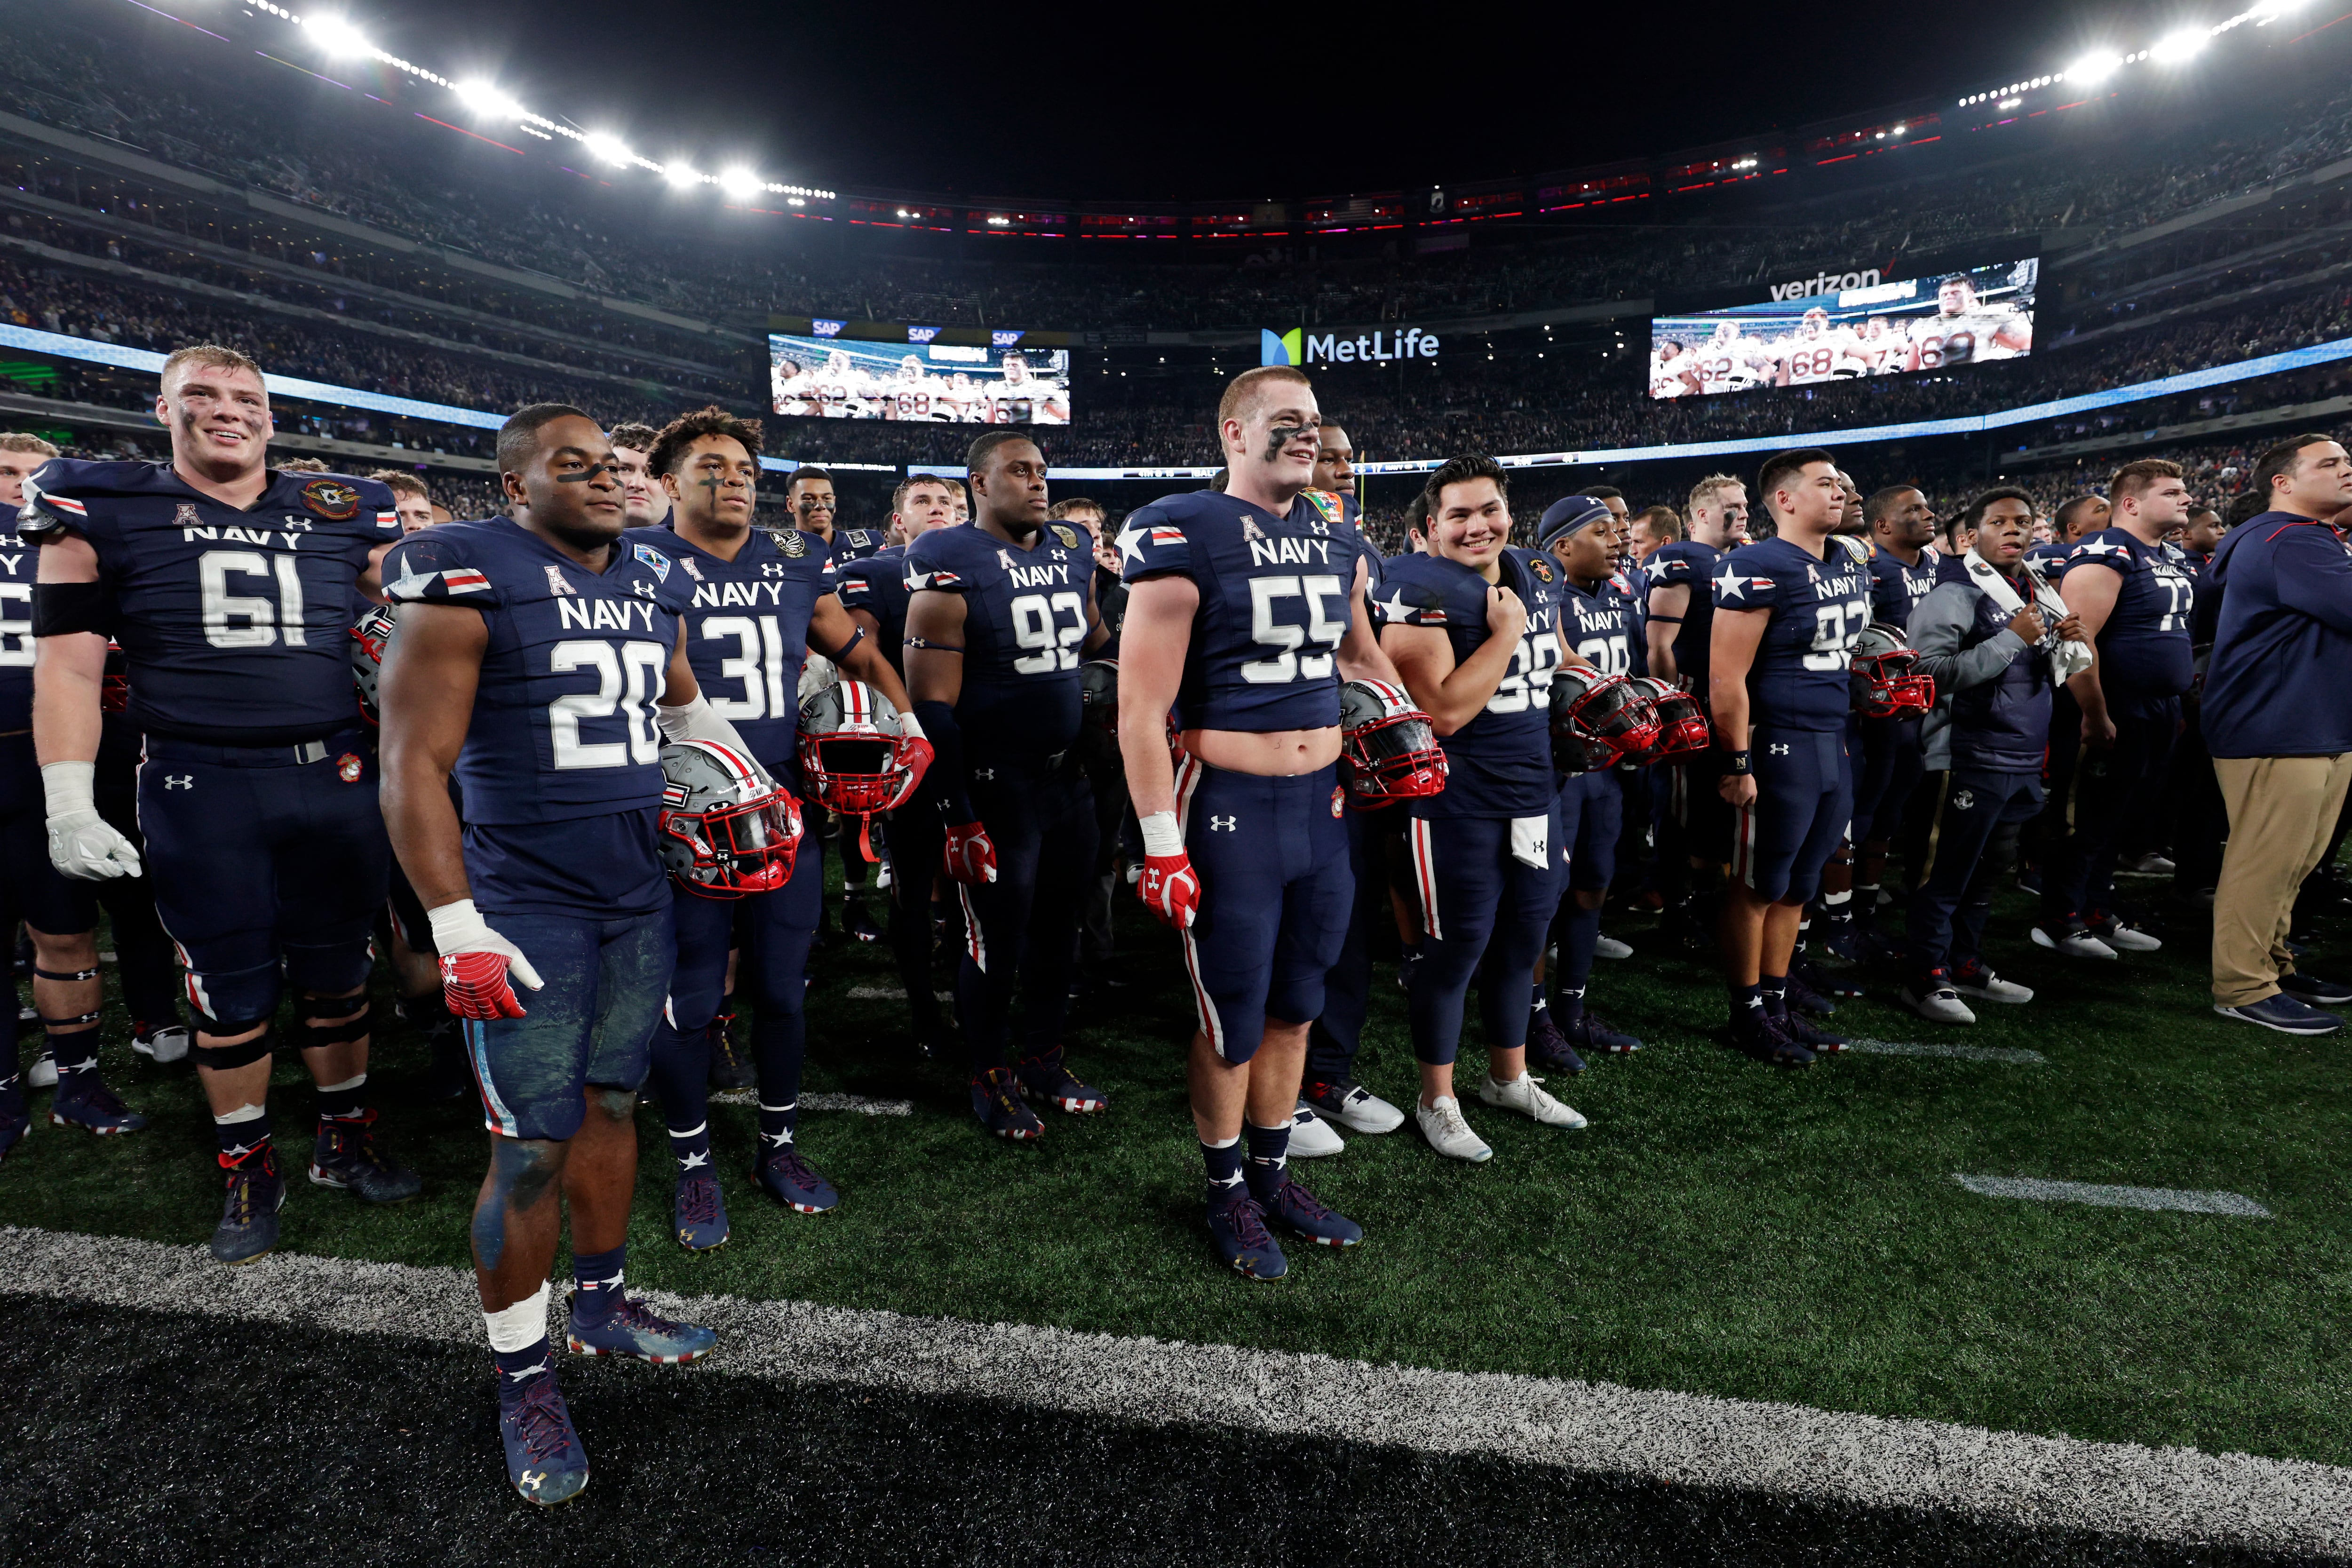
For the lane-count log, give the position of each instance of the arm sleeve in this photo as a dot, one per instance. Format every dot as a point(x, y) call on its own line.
point(944, 783)
point(1937, 624)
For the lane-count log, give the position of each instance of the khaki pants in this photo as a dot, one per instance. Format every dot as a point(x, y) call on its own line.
point(2281, 812)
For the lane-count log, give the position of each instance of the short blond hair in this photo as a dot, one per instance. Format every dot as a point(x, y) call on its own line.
point(213, 356)
point(1707, 489)
point(1243, 388)
point(18, 441)
point(401, 482)
point(304, 466)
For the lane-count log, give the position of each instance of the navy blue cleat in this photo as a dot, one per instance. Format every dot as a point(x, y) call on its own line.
point(1592, 1034)
point(95, 1108)
point(1299, 1211)
point(248, 1221)
point(345, 1155)
point(1805, 996)
point(996, 1101)
point(1549, 1045)
point(1237, 1225)
point(1800, 1031)
point(699, 1213)
point(13, 1124)
point(1763, 1038)
point(545, 1462)
point(1047, 1081)
point(795, 1182)
point(635, 1330)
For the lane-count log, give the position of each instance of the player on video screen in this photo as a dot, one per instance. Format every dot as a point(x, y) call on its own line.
point(1817, 352)
point(1879, 346)
point(842, 390)
point(1674, 372)
point(1963, 332)
point(791, 389)
point(908, 392)
point(1024, 399)
point(1729, 362)
point(959, 401)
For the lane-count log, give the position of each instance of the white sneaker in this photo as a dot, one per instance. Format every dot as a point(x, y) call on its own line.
point(43, 1073)
point(1941, 1005)
point(1311, 1137)
point(2129, 939)
point(1361, 1111)
point(1526, 1095)
point(1448, 1133)
point(1987, 986)
point(165, 1045)
point(2081, 944)
point(2148, 865)
point(1609, 947)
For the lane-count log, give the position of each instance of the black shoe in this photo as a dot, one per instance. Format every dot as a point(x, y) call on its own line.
point(1800, 1031)
point(731, 1063)
point(1761, 1038)
point(2315, 992)
point(857, 922)
point(1803, 998)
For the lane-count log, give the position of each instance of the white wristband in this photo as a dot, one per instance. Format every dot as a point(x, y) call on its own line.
point(65, 786)
point(457, 927)
point(908, 727)
point(1161, 833)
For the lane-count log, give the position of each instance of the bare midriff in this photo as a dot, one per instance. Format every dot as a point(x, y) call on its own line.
point(1272, 753)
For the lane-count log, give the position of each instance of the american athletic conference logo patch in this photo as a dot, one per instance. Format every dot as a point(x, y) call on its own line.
point(332, 499)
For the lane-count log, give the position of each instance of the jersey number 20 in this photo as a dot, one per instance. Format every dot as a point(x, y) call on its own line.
point(627, 678)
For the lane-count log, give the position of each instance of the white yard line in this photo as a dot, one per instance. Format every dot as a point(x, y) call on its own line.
point(1817, 1455)
point(2036, 1190)
point(890, 994)
point(2014, 1054)
point(857, 1102)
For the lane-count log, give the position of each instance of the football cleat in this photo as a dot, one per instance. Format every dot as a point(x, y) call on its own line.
point(858, 923)
point(1799, 1029)
point(795, 1182)
point(697, 1213)
point(345, 1156)
point(1802, 997)
point(13, 1124)
point(43, 1073)
point(164, 1046)
point(1845, 945)
point(1551, 1046)
point(1297, 1209)
point(94, 1109)
point(1525, 1094)
point(1237, 1225)
point(1763, 1038)
point(2123, 936)
point(1594, 1035)
point(996, 1101)
point(545, 1463)
point(1983, 984)
point(635, 1330)
point(1311, 1137)
point(248, 1221)
point(1047, 1081)
point(1937, 1001)
point(1449, 1132)
point(2075, 943)
point(2151, 864)
point(1351, 1105)
point(1609, 947)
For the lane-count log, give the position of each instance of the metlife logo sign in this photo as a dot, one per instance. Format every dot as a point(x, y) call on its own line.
point(1297, 346)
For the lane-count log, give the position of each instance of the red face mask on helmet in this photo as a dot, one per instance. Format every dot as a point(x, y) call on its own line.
point(370, 635)
point(853, 755)
point(725, 830)
point(1682, 727)
point(1388, 751)
point(1884, 683)
point(1597, 718)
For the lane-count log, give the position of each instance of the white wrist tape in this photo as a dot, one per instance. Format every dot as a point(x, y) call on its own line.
point(907, 725)
point(65, 786)
point(520, 1326)
point(1161, 833)
point(457, 928)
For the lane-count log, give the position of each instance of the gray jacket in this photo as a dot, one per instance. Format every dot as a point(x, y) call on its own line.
point(1993, 690)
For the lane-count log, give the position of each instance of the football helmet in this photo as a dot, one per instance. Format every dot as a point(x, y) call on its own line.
point(1682, 726)
point(855, 758)
point(1388, 750)
point(370, 635)
point(1884, 683)
point(726, 828)
point(1597, 718)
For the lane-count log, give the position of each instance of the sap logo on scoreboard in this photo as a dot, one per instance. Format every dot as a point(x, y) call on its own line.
point(1297, 346)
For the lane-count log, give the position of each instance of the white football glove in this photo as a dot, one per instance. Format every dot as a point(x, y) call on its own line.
point(83, 844)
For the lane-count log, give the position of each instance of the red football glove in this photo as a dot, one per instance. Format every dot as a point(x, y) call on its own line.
point(1170, 888)
point(918, 754)
point(475, 963)
point(970, 855)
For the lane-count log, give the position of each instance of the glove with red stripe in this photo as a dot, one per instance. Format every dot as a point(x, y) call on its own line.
point(970, 854)
point(476, 963)
point(916, 753)
point(1168, 886)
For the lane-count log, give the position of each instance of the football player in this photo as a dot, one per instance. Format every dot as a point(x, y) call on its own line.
point(543, 659)
point(1962, 332)
point(1674, 372)
point(1788, 611)
point(648, 503)
point(908, 393)
point(760, 604)
point(998, 614)
point(1241, 608)
point(874, 591)
point(809, 496)
point(839, 388)
point(1728, 361)
point(1815, 353)
point(1105, 777)
point(2113, 726)
point(1020, 398)
point(1694, 836)
point(959, 402)
point(230, 588)
point(1335, 464)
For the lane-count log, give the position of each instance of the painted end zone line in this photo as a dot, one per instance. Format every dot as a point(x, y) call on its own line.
point(2037, 1190)
point(2172, 1494)
point(2017, 1055)
point(857, 1102)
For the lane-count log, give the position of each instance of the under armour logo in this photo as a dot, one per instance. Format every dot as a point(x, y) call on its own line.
point(642, 589)
point(179, 781)
point(1223, 823)
point(1777, 749)
point(988, 774)
point(772, 568)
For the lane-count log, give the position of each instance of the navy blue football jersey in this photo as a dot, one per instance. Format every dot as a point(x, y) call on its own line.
point(19, 564)
point(878, 585)
point(1499, 763)
point(561, 766)
point(1275, 606)
point(235, 624)
point(855, 543)
point(1687, 563)
point(2144, 657)
point(1346, 514)
point(1601, 623)
point(1895, 589)
point(1801, 679)
point(2048, 554)
point(747, 632)
point(1024, 625)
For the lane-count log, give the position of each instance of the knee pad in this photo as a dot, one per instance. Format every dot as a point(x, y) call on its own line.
point(312, 1037)
point(220, 1058)
point(80, 1020)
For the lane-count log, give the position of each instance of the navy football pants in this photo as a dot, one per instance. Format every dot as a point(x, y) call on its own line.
point(1966, 844)
point(1804, 798)
point(1475, 893)
point(1021, 932)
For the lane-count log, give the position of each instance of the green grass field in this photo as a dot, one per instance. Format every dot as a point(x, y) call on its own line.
point(1721, 1227)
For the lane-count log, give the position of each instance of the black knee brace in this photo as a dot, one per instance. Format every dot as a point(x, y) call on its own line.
point(313, 1037)
point(220, 1059)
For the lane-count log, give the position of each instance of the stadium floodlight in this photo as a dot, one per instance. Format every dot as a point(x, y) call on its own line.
point(336, 36)
point(741, 183)
point(2180, 45)
point(484, 101)
point(2095, 67)
point(609, 149)
point(681, 175)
